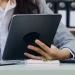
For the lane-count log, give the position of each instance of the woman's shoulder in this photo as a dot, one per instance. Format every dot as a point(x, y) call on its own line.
point(44, 9)
point(42, 2)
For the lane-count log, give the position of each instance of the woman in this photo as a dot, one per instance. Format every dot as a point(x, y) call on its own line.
point(63, 47)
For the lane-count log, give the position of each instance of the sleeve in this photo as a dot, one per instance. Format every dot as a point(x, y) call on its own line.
point(66, 39)
point(0, 54)
point(0, 46)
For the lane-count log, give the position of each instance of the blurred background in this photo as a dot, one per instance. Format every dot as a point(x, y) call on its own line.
point(67, 9)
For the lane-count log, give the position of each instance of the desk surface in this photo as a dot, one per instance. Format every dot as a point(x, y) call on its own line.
point(38, 67)
point(23, 69)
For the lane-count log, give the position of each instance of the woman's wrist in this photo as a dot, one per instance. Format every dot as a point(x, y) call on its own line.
point(64, 54)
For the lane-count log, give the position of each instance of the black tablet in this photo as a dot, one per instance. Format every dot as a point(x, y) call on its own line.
point(25, 29)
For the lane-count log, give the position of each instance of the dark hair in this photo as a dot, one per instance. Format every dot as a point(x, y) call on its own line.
point(26, 7)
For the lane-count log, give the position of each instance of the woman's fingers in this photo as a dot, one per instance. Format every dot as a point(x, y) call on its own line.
point(43, 46)
point(38, 57)
point(32, 56)
point(38, 50)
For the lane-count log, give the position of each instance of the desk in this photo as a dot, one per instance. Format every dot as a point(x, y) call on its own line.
point(22, 69)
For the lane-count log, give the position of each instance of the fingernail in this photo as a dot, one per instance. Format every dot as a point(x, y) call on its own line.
point(36, 40)
point(28, 46)
point(52, 46)
point(24, 53)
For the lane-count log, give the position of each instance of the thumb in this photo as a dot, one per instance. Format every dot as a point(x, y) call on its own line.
point(53, 47)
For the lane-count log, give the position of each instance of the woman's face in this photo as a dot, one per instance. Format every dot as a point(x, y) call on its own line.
point(11, 1)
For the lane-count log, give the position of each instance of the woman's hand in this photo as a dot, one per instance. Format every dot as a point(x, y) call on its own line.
point(48, 53)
